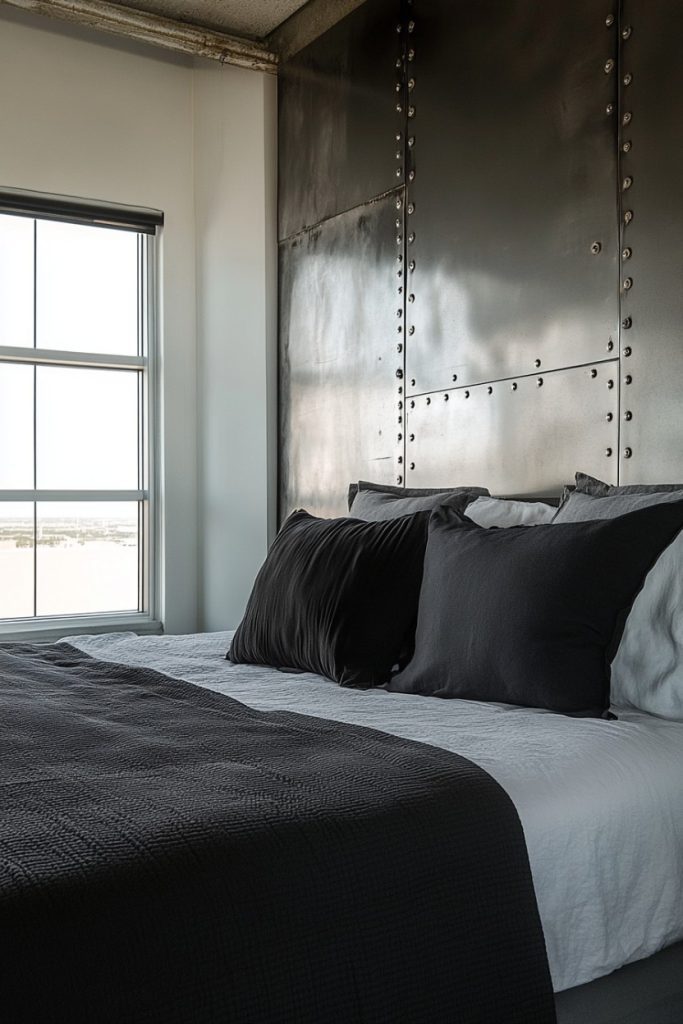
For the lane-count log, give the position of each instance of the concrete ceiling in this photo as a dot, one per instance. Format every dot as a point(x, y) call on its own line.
point(251, 18)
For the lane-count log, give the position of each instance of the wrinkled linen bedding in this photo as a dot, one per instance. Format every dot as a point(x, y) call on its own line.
point(601, 802)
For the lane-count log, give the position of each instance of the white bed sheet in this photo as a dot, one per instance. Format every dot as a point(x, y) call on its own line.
point(601, 802)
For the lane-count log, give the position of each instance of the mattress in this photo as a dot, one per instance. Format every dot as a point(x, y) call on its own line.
point(601, 802)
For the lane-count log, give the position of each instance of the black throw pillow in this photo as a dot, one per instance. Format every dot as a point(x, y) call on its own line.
point(337, 597)
point(530, 615)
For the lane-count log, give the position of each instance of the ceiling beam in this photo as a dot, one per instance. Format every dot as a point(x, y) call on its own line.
point(306, 24)
point(150, 28)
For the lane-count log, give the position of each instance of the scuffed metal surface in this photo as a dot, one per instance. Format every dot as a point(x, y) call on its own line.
point(516, 437)
point(515, 166)
point(337, 359)
point(337, 119)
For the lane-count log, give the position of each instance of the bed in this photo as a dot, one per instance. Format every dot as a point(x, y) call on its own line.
point(600, 801)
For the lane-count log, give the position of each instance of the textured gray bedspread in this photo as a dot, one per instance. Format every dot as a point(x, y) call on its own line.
point(168, 854)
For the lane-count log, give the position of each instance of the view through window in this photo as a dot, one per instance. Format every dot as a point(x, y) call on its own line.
point(74, 440)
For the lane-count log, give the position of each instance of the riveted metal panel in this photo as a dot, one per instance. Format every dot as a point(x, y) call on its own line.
point(339, 401)
point(512, 146)
point(523, 436)
point(337, 104)
point(652, 165)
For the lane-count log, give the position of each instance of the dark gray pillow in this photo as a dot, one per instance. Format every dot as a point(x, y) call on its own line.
point(530, 615)
point(378, 502)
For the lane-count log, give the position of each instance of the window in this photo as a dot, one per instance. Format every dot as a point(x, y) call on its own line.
point(76, 423)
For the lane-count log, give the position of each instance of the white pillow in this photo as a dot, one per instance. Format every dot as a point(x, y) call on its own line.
point(507, 512)
point(647, 671)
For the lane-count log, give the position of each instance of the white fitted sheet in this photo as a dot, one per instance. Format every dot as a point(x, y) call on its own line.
point(601, 802)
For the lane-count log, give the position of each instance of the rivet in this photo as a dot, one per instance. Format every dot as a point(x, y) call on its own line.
point(609, 66)
point(398, 87)
point(411, 329)
point(411, 266)
point(490, 390)
point(411, 141)
point(411, 297)
point(400, 391)
point(446, 397)
point(626, 31)
point(399, 258)
point(627, 322)
point(628, 379)
point(626, 253)
point(628, 78)
point(399, 62)
point(400, 420)
point(539, 382)
point(537, 363)
point(400, 290)
point(411, 26)
point(411, 176)
point(399, 239)
point(399, 27)
point(628, 452)
point(609, 20)
point(400, 405)
point(628, 415)
point(596, 247)
point(429, 401)
point(399, 479)
point(454, 378)
point(627, 351)
point(399, 373)
point(411, 238)
point(412, 465)
point(399, 273)
point(609, 109)
point(399, 329)
point(412, 437)
point(411, 207)
point(398, 222)
point(626, 146)
point(400, 460)
point(399, 136)
point(467, 394)
point(399, 347)
point(610, 345)
point(513, 386)
point(411, 84)
point(399, 108)
point(626, 119)
point(411, 55)
point(628, 216)
point(399, 154)
point(411, 111)
point(399, 437)
point(412, 382)
point(608, 452)
point(594, 373)
point(399, 204)
point(628, 283)
point(610, 385)
point(628, 181)
point(412, 404)
point(609, 417)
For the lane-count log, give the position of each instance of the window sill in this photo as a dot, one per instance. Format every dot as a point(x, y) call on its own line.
point(51, 630)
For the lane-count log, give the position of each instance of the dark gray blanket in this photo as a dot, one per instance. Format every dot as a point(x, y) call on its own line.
point(169, 855)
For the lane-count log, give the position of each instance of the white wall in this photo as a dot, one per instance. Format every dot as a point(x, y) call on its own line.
point(88, 115)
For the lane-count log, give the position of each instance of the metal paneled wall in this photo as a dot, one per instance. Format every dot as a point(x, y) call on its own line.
point(651, 174)
point(493, 294)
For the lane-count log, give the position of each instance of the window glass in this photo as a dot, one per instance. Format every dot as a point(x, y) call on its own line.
point(16, 280)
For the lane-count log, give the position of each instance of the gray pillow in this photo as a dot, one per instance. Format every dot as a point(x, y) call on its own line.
point(647, 671)
point(377, 502)
point(590, 485)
